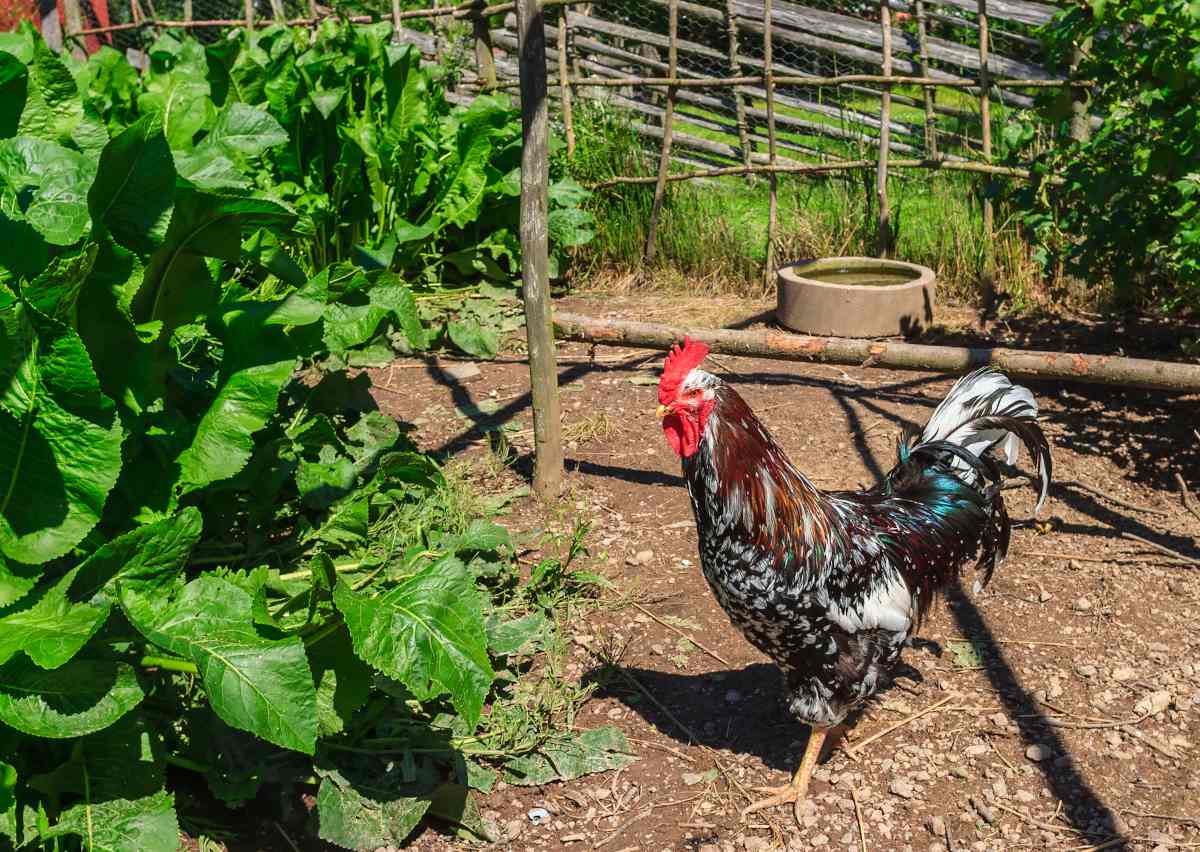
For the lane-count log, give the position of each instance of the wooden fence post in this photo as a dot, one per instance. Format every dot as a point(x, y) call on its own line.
point(535, 266)
point(248, 7)
point(564, 85)
point(735, 69)
point(985, 121)
point(664, 160)
point(1081, 128)
point(485, 60)
point(72, 24)
point(772, 152)
point(930, 91)
point(883, 236)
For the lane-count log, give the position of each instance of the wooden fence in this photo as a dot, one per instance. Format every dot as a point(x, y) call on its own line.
point(759, 87)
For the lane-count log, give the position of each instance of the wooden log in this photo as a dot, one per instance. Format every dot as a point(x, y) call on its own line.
point(1019, 11)
point(564, 86)
point(772, 148)
point(1080, 128)
point(928, 91)
point(73, 27)
point(883, 233)
point(248, 12)
point(784, 346)
point(664, 160)
point(535, 276)
point(485, 58)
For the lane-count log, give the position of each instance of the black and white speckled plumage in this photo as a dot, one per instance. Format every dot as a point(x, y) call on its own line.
point(832, 585)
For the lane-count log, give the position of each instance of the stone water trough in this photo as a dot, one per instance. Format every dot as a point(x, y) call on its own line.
point(855, 297)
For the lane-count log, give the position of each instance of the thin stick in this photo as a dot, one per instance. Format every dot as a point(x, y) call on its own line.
point(883, 233)
point(1167, 817)
point(664, 158)
point(852, 751)
point(1186, 496)
point(1048, 554)
point(862, 831)
point(985, 120)
point(1104, 495)
point(1012, 642)
point(1000, 755)
point(248, 6)
point(564, 86)
point(1090, 726)
point(1045, 826)
point(928, 91)
point(805, 80)
point(772, 148)
point(735, 69)
point(1154, 744)
point(662, 747)
point(818, 168)
point(1160, 547)
point(691, 639)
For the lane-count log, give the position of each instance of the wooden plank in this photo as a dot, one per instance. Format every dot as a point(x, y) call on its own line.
point(565, 87)
point(985, 123)
point(772, 148)
point(928, 91)
point(535, 274)
point(735, 69)
point(883, 231)
point(1020, 11)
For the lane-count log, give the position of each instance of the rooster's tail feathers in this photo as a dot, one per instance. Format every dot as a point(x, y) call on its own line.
point(984, 409)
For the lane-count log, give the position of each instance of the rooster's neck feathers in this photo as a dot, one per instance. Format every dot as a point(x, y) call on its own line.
point(761, 494)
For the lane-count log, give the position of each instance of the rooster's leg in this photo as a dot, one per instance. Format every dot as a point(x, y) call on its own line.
point(795, 792)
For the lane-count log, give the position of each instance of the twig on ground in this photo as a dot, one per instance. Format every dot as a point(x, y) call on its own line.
point(1116, 501)
point(622, 828)
point(1003, 759)
point(852, 751)
point(1153, 743)
point(1012, 642)
point(660, 746)
point(1105, 559)
point(862, 831)
point(1160, 547)
point(1028, 820)
point(691, 639)
point(1186, 496)
point(1167, 817)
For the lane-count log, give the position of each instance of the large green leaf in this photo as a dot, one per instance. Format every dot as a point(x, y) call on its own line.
point(244, 131)
point(61, 434)
point(14, 83)
point(123, 825)
point(126, 759)
point(54, 110)
point(51, 182)
point(571, 756)
point(180, 100)
point(147, 558)
point(363, 817)
point(81, 697)
point(427, 633)
point(135, 186)
point(16, 581)
point(256, 684)
point(50, 628)
point(406, 88)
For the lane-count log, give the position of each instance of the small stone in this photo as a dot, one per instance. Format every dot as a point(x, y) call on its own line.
point(1123, 673)
point(513, 828)
point(709, 847)
point(977, 750)
point(1044, 596)
point(1086, 670)
point(937, 847)
point(936, 826)
point(733, 697)
point(959, 772)
point(985, 813)
point(756, 844)
point(903, 788)
point(1082, 605)
point(1155, 702)
point(1037, 752)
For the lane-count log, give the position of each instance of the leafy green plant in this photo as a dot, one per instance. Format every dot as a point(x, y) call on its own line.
point(1126, 209)
point(214, 554)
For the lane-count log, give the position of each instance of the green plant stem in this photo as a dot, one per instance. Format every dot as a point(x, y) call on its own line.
point(347, 568)
point(171, 664)
point(187, 763)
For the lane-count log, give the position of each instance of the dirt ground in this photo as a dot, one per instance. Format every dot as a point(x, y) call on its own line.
point(1071, 722)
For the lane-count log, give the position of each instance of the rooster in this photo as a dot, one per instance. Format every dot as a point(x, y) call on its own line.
point(832, 585)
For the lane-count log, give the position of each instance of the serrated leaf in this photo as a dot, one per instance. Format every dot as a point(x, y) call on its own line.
point(474, 339)
point(134, 191)
point(63, 439)
point(51, 628)
point(147, 558)
point(564, 758)
point(253, 683)
point(523, 636)
point(210, 169)
point(16, 581)
point(81, 697)
point(54, 181)
point(124, 825)
point(245, 131)
point(427, 633)
point(362, 817)
point(126, 759)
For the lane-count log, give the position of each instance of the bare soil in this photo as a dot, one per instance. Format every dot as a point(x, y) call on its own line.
point(1068, 720)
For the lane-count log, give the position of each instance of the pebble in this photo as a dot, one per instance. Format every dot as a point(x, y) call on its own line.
point(1155, 702)
point(756, 844)
point(642, 557)
point(1037, 752)
point(903, 788)
point(936, 826)
point(1124, 673)
point(513, 829)
point(1087, 670)
point(1083, 605)
point(1044, 596)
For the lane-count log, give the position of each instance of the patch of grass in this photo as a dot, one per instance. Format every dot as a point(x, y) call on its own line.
point(712, 234)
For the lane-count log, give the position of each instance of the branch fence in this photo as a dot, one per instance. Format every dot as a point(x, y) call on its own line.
point(717, 88)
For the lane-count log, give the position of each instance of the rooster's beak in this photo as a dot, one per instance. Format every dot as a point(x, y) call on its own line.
point(662, 411)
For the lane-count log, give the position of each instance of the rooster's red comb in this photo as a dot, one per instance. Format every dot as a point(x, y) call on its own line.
point(678, 364)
